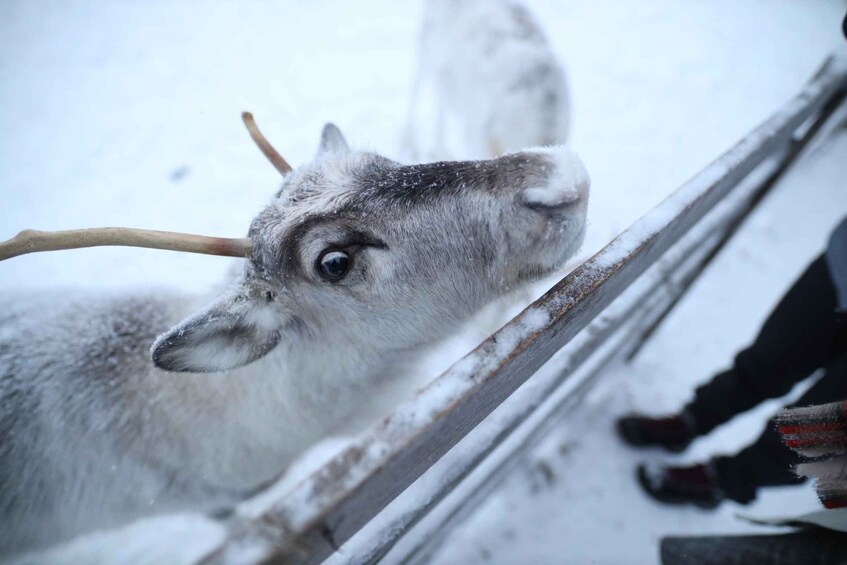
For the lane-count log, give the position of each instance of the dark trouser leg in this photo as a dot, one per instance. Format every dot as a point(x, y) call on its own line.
point(797, 338)
point(768, 462)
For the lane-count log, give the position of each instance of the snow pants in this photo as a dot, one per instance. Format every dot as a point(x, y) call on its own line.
point(803, 333)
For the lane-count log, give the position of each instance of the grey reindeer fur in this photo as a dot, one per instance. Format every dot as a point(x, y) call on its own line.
point(97, 428)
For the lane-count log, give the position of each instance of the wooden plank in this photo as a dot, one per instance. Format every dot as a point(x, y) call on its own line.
point(337, 500)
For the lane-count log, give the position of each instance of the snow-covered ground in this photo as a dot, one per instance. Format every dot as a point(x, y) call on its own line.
point(121, 113)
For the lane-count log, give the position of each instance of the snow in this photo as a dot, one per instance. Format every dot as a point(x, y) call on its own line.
point(128, 114)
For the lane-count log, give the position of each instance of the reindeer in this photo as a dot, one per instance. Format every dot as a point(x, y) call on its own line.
point(354, 267)
point(487, 82)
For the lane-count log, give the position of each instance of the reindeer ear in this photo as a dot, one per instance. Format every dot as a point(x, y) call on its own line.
point(230, 333)
point(332, 140)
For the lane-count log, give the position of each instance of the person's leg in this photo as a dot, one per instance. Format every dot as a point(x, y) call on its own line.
point(768, 462)
point(798, 337)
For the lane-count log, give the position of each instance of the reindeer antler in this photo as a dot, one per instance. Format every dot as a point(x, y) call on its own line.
point(273, 156)
point(33, 241)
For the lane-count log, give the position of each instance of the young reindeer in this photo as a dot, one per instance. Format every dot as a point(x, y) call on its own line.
point(356, 265)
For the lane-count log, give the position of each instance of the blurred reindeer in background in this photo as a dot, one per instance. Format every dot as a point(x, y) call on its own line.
point(488, 82)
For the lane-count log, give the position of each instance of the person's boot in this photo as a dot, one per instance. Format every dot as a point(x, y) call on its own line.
point(673, 433)
point(695, 485)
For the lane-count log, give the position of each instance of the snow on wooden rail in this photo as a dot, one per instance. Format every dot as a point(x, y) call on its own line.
point(329, 507)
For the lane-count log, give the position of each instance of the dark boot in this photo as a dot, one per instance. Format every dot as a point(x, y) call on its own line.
point(695, 485)
point(673, 433)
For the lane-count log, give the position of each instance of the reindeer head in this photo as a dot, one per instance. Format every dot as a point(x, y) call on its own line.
point(359, 248)
point(361, 251)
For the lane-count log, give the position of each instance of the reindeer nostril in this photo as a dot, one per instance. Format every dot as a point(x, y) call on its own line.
point(547, 198)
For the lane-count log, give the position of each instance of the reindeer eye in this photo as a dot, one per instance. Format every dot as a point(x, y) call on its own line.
point(333, 265)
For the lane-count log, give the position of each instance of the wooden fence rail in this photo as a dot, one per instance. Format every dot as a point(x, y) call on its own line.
point(338, 500)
